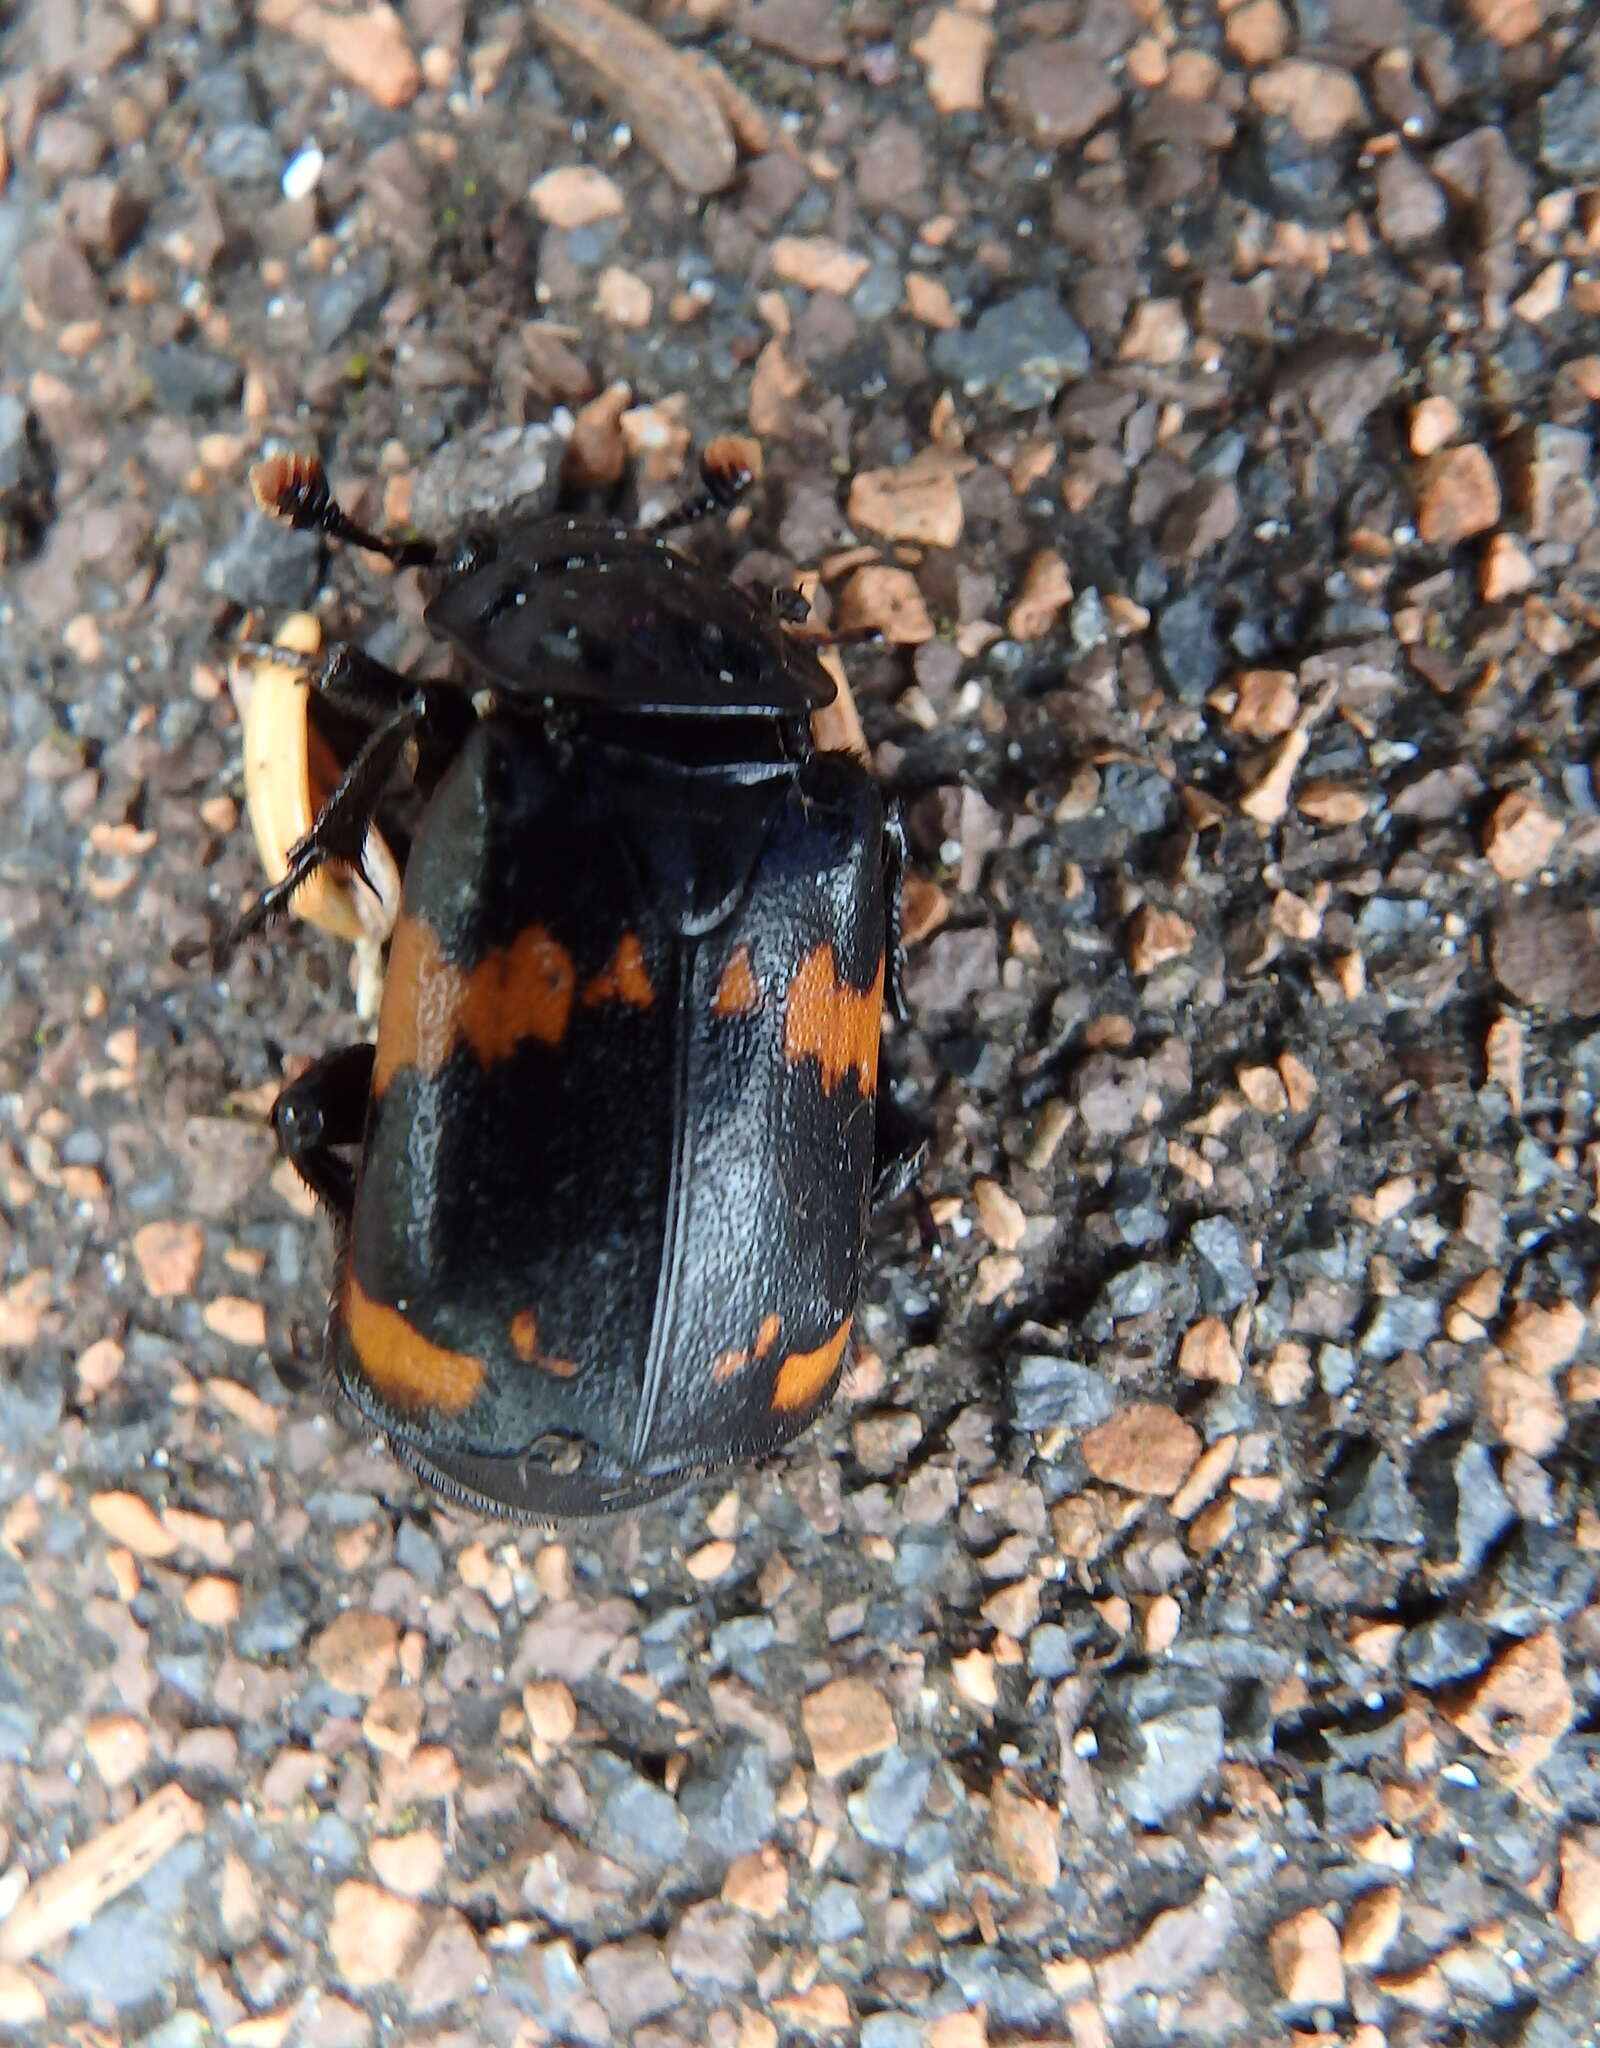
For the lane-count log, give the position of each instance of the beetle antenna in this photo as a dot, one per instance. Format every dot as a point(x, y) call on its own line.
point(294, 488)
point(729, 465)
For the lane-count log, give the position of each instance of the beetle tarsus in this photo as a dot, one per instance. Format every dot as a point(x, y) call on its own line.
point(295, 489)
point(326, 1108)
point(727, 470)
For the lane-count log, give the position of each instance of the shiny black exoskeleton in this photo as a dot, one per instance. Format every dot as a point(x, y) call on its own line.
point(616, 1141)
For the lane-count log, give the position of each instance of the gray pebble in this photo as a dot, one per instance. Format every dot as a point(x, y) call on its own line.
point(267, 564)
point(728, 1803)
point(884, 1811)
point(1367, 1497)
point(124, 1955)
point(1443, 1651)
point(1058, 1393)
point(1569, 127)
point(1227, 1277)
point(1178, 1754)
point(836, 1913)
point(1021, 351)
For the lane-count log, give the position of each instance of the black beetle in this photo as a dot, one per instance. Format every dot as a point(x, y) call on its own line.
point(619, 1133)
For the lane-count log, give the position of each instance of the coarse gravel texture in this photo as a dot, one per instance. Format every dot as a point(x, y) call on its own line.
point(1185, 1628)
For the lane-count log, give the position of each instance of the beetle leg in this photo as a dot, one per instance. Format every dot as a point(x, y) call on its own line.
point(325, 1108)
point(294, 488)
point(894, 874)
point(340, 830)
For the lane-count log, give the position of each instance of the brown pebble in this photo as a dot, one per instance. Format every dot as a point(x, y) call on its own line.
point(1258, 32)
point(1520, 1708)
point(1578, 1901)
point(575, 196)
point(1520, 836)
point(1000, 1216)
point(954, 50)
point(238, 1319)
point(1522, 1410)
point(213, 1601)
point(1458, 497)
point(129, 1519)
point(392, 1723)
point(410, 1864)
point(1155, 937)
point(118, 1746)
point(1506, 570)
point(1147, 1448)
point(1266, 703)
point(1435, 422)
point(1320, 100)
point(1026, 1833)
point(886, 601)
point(357, 1652)
point(920, 503)
point(1542, 1340)
point(818, 264)
point(169, 1257)
point(758, 1883)
point(845, 1723)
point(1207, 1353)
point(1044, 593)
point(22, 2003)
point(1371, 1923)
point(371, 1935)
point(1304, 1951)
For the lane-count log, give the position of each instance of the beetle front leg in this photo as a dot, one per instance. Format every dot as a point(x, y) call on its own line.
point(324, 1110)
point(341, 827)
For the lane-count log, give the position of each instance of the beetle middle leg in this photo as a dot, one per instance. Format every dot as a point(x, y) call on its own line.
point(326, 1109)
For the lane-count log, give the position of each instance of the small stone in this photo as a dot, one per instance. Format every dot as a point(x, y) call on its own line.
point(1258, 32)
point(1506, 569)
point(1266, 703)
point(213, 1601)
point(1156, 333)
point(1411, 207)
point(1521, 1707)
point(1176, 1948)
point(1176, 1757)
point(1157, 936)
point(954, 49)
point(1546, 955)
point(1055, 92)
point(1522, 1410)
point(817, 264)
point(1267, 799)
point(758, 1884)
point(845, 1723)
point(1304, 1951)
point(624, 298)
point(887, 601)
point(1520, 836)
point(1019, 351)
point(575, 196)
point(1207, 1353)
point(371, 49)
point(1368, 1497)
point(1444, 1651)
point(1371, 1923)
point(551, 1710)
point(392, 1723)
point(118, 1746)
point(1026, 1833)
point(1435, 422)
point(1044, 593)
point(1459, 496)
point(1147, 1448)
point(1320, 100)
point(825, 2009)
point(371, 1934)
point(1226, 1269)
point(920, 503)
point(1542, 1340)
point(1057, 1393)
point(410, 1864)
point(356, 1653)
point(238, 1319)
point(129, 1519)
point(1000, 1216)
point(1578, 1901)
point(450, 1968)
point(169, 1257)
point(1569, 127)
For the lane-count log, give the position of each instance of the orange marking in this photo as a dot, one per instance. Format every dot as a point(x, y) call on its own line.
point(830, 1021)
point(521, 991)
point(399, 1362)
point(625, 980)
point(525, 1343)
point(727, 1363)
point(431, 1005)
point(804, 1375)
point(738, 992)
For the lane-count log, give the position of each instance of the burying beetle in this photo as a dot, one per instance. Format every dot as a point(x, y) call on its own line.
point(617, 1140)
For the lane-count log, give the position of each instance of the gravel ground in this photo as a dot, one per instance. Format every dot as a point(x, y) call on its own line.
point(1185, 1628)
